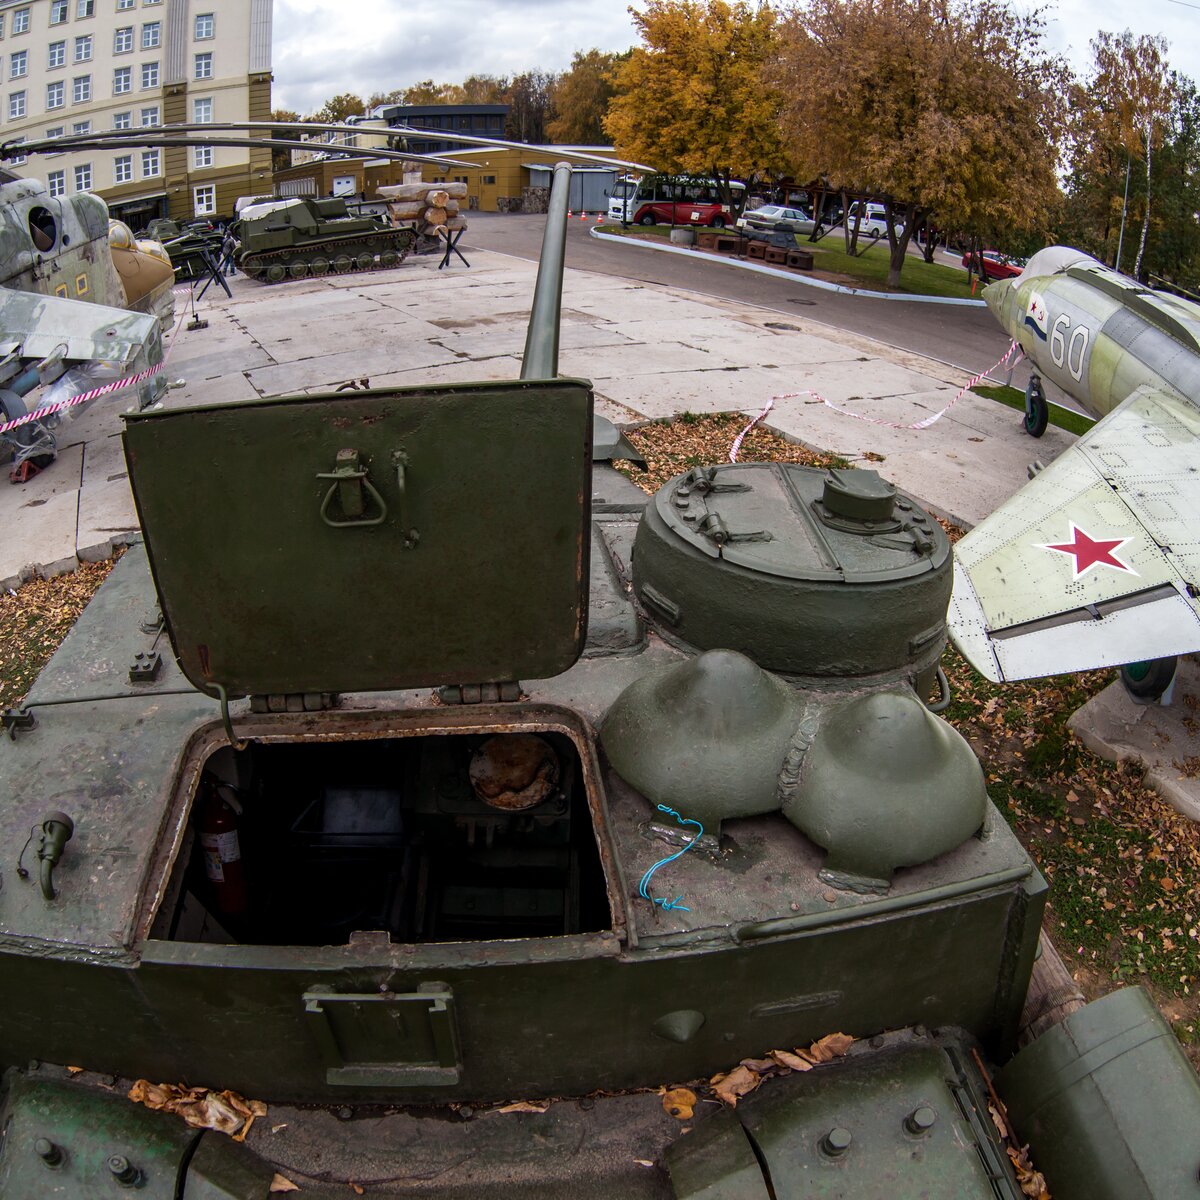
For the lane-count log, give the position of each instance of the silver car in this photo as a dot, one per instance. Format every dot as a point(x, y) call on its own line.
point(770, 215)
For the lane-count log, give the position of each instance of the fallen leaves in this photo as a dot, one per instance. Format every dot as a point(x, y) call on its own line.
point(281, 1183)
point(524, 1106)
point(1030, 1180)
point(729, 1087)
point(679, 1103)
point(202, 1108)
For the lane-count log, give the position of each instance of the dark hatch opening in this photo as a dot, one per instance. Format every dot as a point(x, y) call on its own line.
point(434, 838)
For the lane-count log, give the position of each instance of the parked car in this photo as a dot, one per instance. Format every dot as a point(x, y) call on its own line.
point(995, 265)
point(770, 216)
point(873, 222)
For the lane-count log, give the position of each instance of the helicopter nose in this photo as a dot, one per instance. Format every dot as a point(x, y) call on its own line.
point(998, 297)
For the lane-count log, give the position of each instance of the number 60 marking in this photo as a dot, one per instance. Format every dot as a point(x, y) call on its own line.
point(1072, 352)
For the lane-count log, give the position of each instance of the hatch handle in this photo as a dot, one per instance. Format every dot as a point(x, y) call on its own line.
point(400, 462)
point(349, 483)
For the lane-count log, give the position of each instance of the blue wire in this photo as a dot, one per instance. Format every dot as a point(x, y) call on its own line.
point(662, 862)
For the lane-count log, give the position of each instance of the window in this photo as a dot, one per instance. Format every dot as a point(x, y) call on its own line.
point(202, 157)
point(489, 179)
point(20, 158)
point(81, 127)
point(1, 25)
point(202, 109)
point(58, 12)
point(204, 66)
point(204, 200)
point(123, 168)
point(16, 105)
point(123, 40)
point(83, 49)
point(150, 116)
point(18, 64)
point(21, 21)
point(55, 131)
point(81, 88)
point(122, 120)
point(54, 95)
point(83, 177)
point(122, 5)
point(205, 26)
point(122, 81)
point(56, 182)
point(147, 3)
point(56, 54)
point(150, 75)
point(151, 35)
point(150, 162)
point(85, 8)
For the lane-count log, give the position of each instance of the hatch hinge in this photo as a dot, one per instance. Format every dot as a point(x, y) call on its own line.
point(294, 702)
point(479, 693)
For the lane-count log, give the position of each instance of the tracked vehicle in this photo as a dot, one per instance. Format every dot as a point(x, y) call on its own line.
point(340, 792)
point(289, 239)
point(190, 250)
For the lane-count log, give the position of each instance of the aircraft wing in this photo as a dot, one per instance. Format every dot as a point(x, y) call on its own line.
point(1096, 561)
point(38, 325)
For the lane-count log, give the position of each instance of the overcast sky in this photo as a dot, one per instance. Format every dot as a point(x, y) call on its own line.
point(323, 47)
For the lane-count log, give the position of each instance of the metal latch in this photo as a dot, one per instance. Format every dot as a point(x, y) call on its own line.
point(350, 482)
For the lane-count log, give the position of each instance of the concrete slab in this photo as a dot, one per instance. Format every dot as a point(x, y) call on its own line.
point(1165, 739)
point(107, 518)
point(41, 540)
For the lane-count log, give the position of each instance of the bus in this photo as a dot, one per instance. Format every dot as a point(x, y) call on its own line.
point(672, 200)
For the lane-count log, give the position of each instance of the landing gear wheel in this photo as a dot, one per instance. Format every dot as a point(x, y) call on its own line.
point(1147, 681)
point(1037, 411)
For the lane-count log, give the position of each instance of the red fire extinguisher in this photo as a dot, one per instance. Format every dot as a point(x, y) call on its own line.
point(217, 825)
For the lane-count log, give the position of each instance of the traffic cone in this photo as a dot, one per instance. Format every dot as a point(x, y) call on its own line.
point(583, 216)
point(599, 216)
point(570, 213)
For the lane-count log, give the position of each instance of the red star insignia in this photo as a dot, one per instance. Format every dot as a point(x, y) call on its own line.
point(1090, 552)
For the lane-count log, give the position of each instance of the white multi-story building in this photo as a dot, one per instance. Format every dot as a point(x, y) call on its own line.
point(84, 66)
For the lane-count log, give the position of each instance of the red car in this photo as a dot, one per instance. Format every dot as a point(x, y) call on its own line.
point(995, 265)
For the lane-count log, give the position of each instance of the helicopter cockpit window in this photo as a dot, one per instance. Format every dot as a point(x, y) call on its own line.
point(43, 228)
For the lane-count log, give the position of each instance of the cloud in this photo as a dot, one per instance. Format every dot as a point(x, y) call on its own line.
point(323, 47)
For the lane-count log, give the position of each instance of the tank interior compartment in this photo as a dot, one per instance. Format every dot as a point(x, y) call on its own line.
point(433, 838)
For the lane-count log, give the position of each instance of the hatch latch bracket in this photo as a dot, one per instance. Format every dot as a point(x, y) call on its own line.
point(351, 487)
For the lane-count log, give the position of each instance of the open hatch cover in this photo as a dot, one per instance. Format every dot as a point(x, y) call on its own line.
point(359, 541)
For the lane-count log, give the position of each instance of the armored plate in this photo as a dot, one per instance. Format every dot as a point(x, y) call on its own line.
point(370, 540)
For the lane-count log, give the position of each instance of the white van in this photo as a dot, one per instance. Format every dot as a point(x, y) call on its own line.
point(874, 219)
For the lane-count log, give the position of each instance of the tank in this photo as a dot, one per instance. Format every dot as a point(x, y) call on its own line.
point(189, 248)
point(289, 239)
point(435, 813)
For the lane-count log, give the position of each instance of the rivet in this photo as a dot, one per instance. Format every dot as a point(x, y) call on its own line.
point(48, 1152)
point(836, 1142)
point(920, 1120)
point(345, 1113)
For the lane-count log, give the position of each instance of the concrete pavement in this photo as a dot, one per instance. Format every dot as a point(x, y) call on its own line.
point(651, 351)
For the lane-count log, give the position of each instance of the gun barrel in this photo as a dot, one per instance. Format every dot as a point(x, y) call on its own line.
point(541, 339)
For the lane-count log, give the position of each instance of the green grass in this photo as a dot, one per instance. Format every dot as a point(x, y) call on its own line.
point(869, 269)
point(1064, 418)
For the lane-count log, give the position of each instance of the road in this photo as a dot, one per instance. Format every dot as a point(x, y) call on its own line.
point(965, 337)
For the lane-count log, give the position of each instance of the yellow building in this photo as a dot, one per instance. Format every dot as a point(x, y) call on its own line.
point(497, 178)
point(85, 66)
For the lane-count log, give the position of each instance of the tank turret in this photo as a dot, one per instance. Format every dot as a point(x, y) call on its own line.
point(437, 800)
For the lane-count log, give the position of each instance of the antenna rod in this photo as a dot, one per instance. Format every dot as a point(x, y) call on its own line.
point(541, 340)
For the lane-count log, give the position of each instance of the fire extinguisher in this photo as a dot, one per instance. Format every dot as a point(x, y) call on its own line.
point(217, 824)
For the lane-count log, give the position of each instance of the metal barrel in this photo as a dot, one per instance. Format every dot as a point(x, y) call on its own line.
point(541, 339)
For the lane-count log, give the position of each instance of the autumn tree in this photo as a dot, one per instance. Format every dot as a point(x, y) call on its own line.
point(379, 99)
point(580, 98)
point(1133, 94)
point(946, 110)
point(282, 159)
point(528, 100)
point(693, 99)
point(337, 108)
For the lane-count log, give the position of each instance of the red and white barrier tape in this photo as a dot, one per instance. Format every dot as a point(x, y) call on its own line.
point(922, 424)
point(106, 389)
